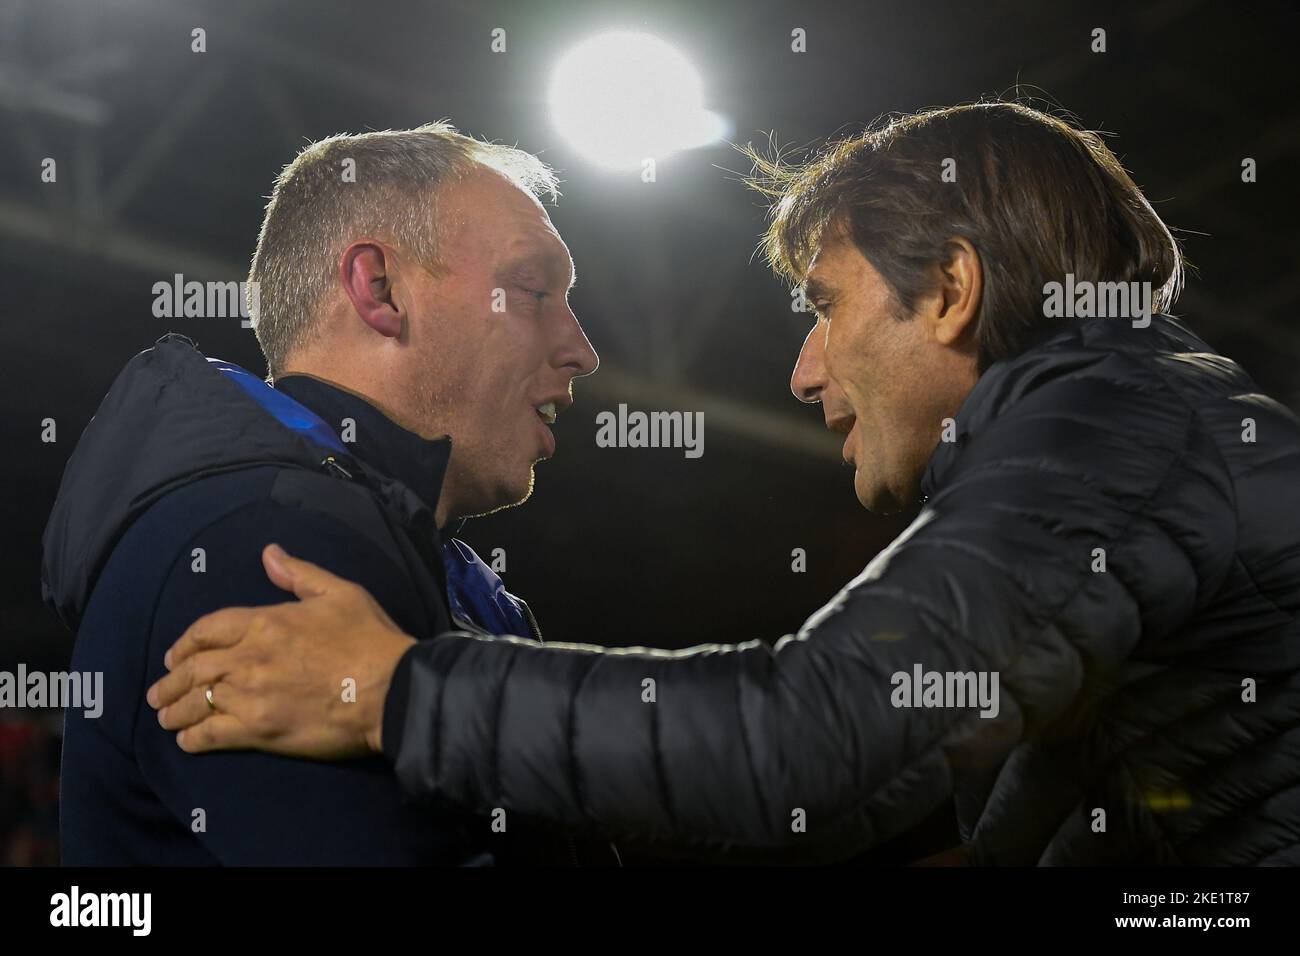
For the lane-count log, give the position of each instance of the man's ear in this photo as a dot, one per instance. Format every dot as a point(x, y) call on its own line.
point(960, 288)
point(366, 270)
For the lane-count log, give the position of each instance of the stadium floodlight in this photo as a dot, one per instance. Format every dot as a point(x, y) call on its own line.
point(622, 97)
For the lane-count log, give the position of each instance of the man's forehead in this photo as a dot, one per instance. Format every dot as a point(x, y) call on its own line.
point(490, 201)
point(543, 248)
point(498, 213)
point(834, 262)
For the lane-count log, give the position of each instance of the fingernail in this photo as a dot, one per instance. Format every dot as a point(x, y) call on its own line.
point(152, 697)
point(167, 659)
point(162, 716)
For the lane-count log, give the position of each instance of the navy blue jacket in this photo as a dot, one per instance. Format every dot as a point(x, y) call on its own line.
point(187, 471)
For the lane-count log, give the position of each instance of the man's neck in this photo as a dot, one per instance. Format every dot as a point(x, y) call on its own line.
point(446, 513)
point(361, 391)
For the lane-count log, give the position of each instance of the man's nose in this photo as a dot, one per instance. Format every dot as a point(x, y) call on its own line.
point(575, 352)
point(809, 378)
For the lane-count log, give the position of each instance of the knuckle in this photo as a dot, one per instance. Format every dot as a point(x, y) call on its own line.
point(253, 679)
point(259, 716)
point(267, 652)
point(265, 627)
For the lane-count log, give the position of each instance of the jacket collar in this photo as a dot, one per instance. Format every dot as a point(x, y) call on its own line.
point(996, 388)
point(417, 462)
point(1049, 354)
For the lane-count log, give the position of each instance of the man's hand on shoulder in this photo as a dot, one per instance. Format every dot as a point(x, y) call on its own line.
point(307, 678)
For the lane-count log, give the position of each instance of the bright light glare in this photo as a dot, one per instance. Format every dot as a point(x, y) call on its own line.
point(620, 98)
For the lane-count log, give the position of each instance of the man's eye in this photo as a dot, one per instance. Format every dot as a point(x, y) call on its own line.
point(822, 308)
point(538, 294)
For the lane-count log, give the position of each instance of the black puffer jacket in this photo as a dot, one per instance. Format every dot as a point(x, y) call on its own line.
point(1115, 532)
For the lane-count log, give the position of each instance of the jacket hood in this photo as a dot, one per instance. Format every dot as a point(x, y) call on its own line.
point(172, 416)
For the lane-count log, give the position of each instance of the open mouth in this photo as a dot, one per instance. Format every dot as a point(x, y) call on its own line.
point(546, 412)
point(844, 425)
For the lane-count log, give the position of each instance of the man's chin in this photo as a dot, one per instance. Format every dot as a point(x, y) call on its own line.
point(876, 498)
point(510, 494)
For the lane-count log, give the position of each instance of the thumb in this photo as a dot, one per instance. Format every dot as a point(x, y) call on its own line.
point(301, 577)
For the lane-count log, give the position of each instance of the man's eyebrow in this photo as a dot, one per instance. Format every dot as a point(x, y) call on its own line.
point(549, 262)
point(816, 289)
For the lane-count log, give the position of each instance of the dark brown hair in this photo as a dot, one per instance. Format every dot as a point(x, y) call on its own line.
point(1036, 196)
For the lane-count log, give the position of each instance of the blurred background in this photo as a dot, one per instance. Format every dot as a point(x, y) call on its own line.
point(165, 156)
